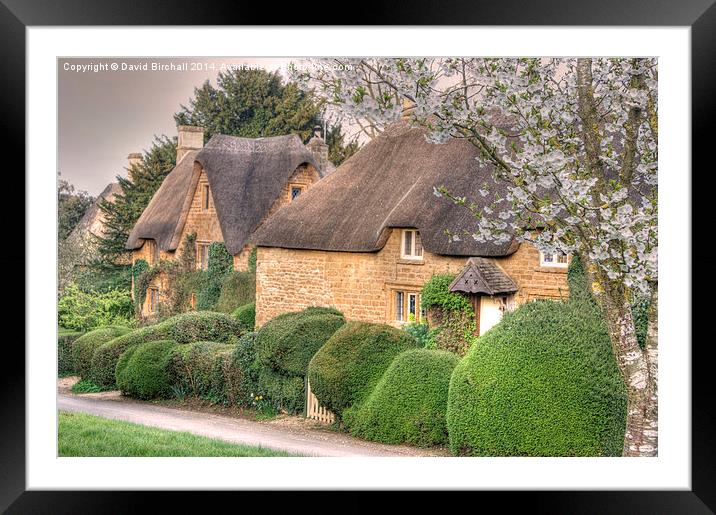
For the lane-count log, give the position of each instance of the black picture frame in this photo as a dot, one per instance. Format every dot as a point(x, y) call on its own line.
point(16, 15)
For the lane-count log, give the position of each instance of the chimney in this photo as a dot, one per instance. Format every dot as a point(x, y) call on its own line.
point(408, 108)
point(319, 149)
point(133, 159)
point(189, 138)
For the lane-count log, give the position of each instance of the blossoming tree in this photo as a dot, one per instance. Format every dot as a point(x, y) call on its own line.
point(575, 140)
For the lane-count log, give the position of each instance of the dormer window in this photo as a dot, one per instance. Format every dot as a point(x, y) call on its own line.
point(411, 246)
point(205, 197)
point(553, 259)
point(295, 192)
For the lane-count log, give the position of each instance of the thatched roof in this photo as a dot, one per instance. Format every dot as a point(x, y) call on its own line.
point(92, 222)
point(481, 275)
point(246, 177)
point(389, 183)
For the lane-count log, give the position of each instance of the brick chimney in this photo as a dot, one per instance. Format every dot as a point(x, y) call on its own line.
point(319, 149)
point(189, 138)
point(133, 159)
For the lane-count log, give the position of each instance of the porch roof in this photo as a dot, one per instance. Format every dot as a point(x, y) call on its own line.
point(482, 275)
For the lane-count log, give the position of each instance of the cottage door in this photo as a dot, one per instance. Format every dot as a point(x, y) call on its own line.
point(475, 301)
point(490, 313)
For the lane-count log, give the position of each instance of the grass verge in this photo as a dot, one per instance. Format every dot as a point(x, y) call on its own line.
point(87, 386)
point(87, 435)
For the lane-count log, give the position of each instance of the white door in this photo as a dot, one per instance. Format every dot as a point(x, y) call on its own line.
point(490, 312)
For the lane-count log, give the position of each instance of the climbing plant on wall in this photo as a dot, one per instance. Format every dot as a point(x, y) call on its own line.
point(451, 316)
point(220, 264)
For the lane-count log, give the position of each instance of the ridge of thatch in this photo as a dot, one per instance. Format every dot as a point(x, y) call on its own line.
point(481, 275)
point(390, 183)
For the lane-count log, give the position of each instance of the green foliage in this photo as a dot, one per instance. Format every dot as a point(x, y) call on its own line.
point(246, 316)
point(237, 289)
point(142, 370)
point(139, 268)
point(245, 391)
point(346, 369)
point(452, 314)
point(199, 368)
point(640, 312)
point(285, 346)
point(81, 310)
point(419, 331)
point(65, 339)
point(87, 386)
point(543, 382)
point(72, 205)
point(340, 149)
point(84, 347)
point(436, 294)
point(137, 189)
point(409, 403)
point(252, 260)
point(220, 264)
point(579, 288)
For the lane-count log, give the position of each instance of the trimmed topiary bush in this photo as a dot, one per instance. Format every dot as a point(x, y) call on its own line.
point(142, 370)
point(409, 403)
point(245, 369)
point(84, 347)
point(64, 351)
point(246, 316)
point(543, 382)
point(198, 369)
point(346, 369)
point(237, 289)
point(285, 346)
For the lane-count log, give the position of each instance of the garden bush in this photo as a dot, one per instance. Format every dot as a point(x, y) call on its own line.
point(237, 289)
point(346, 369)
point(285, 346)
point(245, 369)
point(81, 310)
point(543, 382)
point(409, 403)
point(246, 316)
point(86, 345)
point(142, 370)
point(200, 369)
point(450, 314)
point(64, 350)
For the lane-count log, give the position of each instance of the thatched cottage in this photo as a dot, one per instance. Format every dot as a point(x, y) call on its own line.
point(369, 236)
point(221, 192)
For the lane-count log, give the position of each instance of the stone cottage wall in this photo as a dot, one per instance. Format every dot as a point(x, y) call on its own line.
point(362, 284)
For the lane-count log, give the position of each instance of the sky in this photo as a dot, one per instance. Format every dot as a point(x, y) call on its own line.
point(104, 115)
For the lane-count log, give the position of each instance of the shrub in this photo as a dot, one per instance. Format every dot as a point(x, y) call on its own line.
point(82, 311)
point(85, 346)
point(543, 382)
point(104, 360)
point(198, 369)
point(420, 331)
point(64, 351)
point(451, 314)
point(285, 346)
point(245, 367)
point(409, 402)
point(142, 370)
point(237, 289)
point(246, 316)
point(346, 369)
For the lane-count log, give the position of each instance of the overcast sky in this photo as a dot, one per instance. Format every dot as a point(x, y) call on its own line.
point(105, 115)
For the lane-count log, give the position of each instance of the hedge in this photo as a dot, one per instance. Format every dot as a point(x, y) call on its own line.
point(237, 289)
point(200, 369)
point(64, 351)
point(246, 369)
point(86, 345)
point(543, 382)
point(246, 316)
point(409, 403)
point(184, 328)
point(346, 369)
point(142, 370)
point(285, 346)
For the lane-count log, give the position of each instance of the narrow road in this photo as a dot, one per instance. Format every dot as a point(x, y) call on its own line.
point(299, 440)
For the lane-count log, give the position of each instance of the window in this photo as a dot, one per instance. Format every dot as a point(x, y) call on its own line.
point(412, 246)
point(556, 259)
point(153, 295)
point(202, 255)
point(205, 198)
point(407, 307)
point(295, 192)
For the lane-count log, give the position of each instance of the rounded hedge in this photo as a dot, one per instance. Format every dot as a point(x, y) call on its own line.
point(142, 370)
point(409, 403)
point(65, 339)
point(543, 382)
point(346, 369)
point(183, 328)
point(246, 316)
point(84, 347)
point(246, 369)
point(198, 369)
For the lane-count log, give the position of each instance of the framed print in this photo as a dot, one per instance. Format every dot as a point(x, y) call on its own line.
point(371, 257)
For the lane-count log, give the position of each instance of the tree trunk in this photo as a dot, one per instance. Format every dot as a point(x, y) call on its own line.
point(638, 368)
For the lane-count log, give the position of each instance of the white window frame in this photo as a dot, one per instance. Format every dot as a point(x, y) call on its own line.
point(199, 245)
point(412, 255)
point(405, 306)
point(554, 263)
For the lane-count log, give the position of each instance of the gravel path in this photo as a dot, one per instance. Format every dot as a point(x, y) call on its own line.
point(286, 437)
